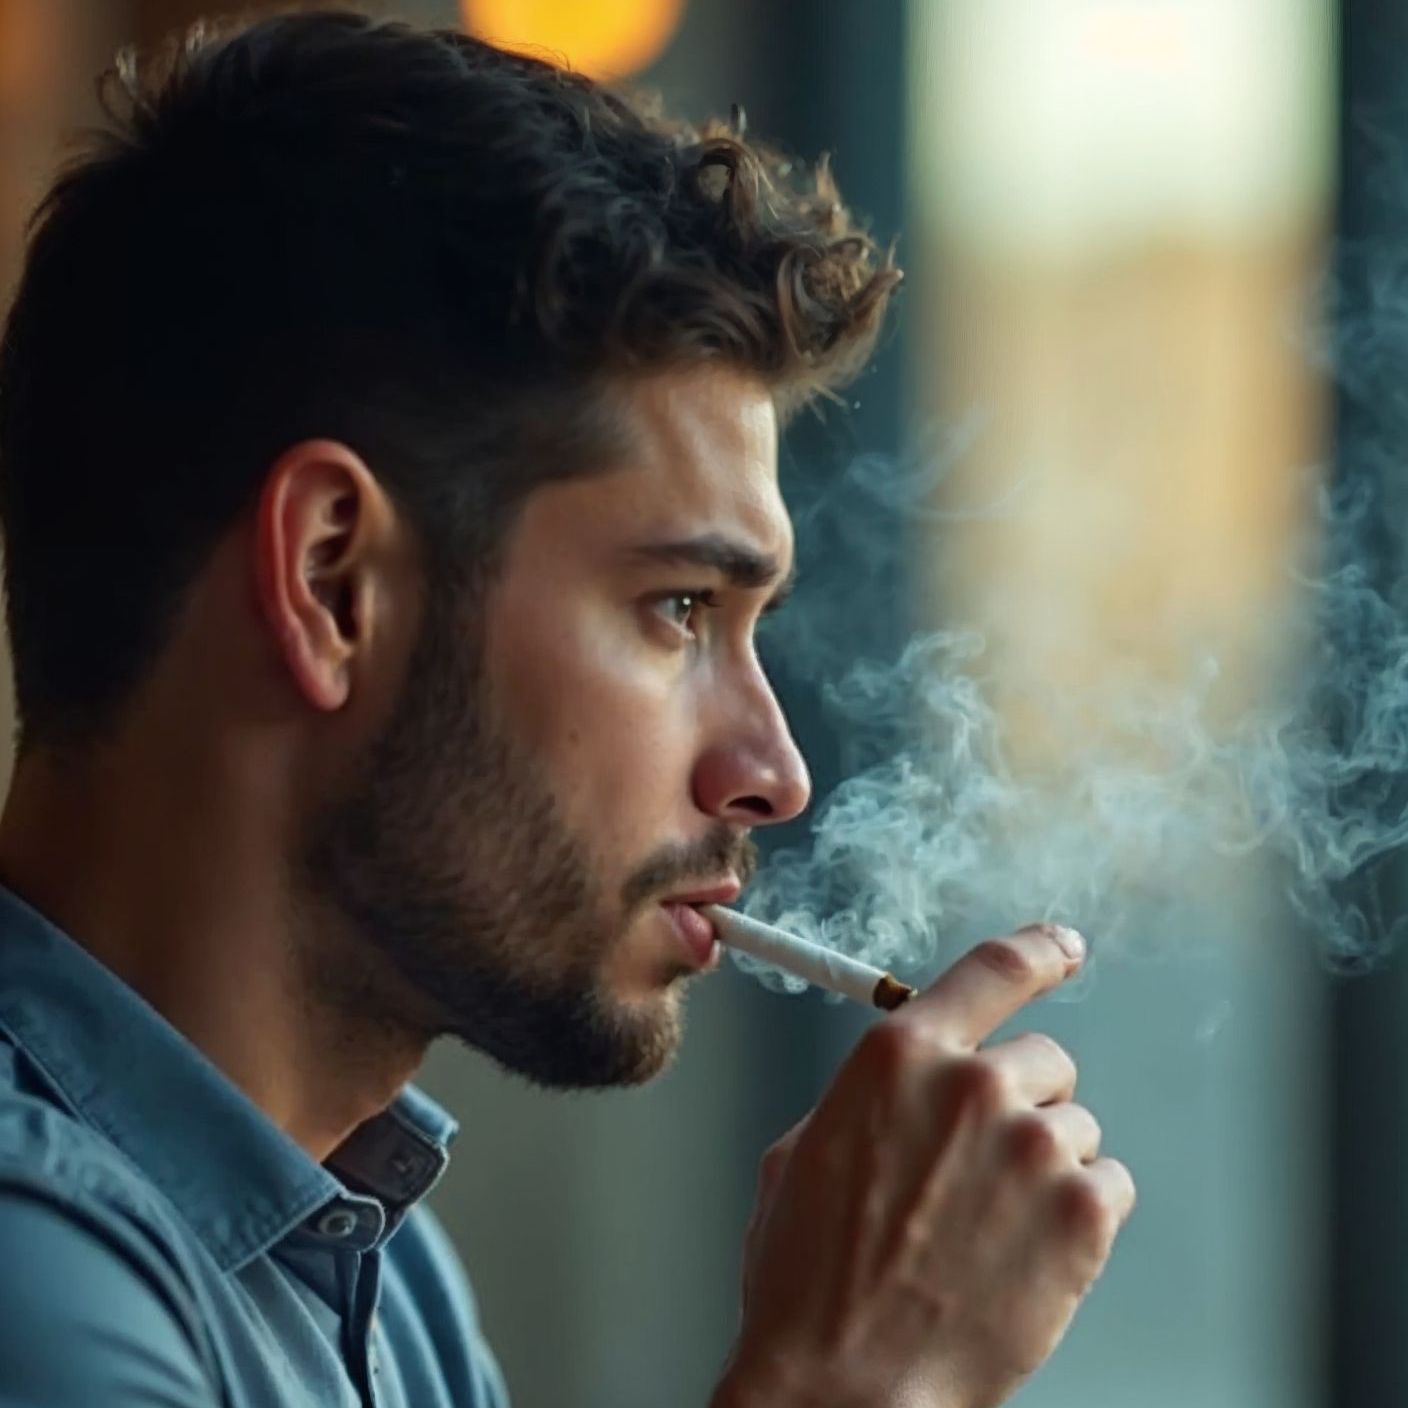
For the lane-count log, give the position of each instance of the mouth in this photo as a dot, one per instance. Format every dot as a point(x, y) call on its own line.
point(725, 892)
point(694, 931)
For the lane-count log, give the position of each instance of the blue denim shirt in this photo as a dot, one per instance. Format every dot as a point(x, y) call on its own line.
point(165, 1243)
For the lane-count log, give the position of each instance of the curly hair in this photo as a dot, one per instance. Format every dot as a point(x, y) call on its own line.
point(434, 250)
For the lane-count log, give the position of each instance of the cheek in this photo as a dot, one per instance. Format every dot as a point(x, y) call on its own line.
point(609, 722)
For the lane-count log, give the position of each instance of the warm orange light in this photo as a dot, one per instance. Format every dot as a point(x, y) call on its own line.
point(27, 31)
point(602, 38)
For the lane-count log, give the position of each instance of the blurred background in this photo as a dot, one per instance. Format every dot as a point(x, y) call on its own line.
point(1111, 213)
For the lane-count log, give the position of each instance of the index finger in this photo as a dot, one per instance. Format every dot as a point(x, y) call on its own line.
point(995, 980)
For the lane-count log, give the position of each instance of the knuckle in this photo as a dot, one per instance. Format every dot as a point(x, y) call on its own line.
point(1129, 1193)
point(890, 1048)
point(974, 1084)
point(1054, 1052)
point(1094, 1133)
point(1032, 1142)
point(1085, 1214)
point(1007, 959)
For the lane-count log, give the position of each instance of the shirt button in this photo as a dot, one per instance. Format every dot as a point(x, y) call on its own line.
point(337, 1222)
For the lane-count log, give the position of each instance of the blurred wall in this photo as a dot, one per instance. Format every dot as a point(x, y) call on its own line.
point(1120, 210)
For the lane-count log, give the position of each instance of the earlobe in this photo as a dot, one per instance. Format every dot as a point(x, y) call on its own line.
point(308, 544)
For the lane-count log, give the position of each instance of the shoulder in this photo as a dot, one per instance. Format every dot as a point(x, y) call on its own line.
point(49, 1157)
point(423, 1263)
point(86, 1322)
point(101, 1251)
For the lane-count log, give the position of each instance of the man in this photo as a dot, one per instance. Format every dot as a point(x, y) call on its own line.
point(388, 478)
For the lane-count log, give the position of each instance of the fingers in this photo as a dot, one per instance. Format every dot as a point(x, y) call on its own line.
point(1034, 1068)
point(1040, 1143)
point(1092, 1205)
point(1075, 1130)
point(993, 981)
point(1116, 1186)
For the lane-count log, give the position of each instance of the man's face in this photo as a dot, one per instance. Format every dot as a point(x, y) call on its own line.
point(596, 737)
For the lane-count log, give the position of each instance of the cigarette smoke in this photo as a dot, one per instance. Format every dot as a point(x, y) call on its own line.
point(1167, 795)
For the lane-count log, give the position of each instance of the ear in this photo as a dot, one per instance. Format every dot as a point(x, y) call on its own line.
point(320, 528)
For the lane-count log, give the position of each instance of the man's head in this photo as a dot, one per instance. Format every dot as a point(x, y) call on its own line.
point(414, 404)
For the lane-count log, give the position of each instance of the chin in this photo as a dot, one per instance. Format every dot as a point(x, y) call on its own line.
point(593, 1037)
point(638, 1033)
point(650, 1032)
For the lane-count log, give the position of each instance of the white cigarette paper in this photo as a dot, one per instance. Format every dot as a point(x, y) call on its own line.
point(822, 967)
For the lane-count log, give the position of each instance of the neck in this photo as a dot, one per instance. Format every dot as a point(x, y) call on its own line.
point(173, 877)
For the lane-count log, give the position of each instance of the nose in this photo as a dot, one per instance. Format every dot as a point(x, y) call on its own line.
point(754, 773)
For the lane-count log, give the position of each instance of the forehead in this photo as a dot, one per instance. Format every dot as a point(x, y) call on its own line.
point(701, 455)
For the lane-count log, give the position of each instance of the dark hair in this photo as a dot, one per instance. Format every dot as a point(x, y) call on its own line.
point(429, 248)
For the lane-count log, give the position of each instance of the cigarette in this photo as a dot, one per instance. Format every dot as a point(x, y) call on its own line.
point(822, 967)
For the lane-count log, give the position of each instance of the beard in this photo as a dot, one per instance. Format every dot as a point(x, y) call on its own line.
point(463, 903)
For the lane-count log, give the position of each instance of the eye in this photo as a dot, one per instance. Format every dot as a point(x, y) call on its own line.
point(682, 609)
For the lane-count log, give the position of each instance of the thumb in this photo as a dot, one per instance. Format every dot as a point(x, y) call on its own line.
point(774, 1163)
point(770, 1170)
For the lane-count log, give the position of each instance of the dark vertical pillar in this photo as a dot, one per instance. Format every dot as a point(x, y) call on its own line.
point(1367, 1298)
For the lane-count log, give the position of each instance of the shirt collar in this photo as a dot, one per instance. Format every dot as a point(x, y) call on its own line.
point(238, 1180)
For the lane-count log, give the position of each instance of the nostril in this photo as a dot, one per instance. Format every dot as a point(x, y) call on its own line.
point(759, 806)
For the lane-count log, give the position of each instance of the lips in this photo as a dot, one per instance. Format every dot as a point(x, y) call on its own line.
point(695, 932)
point(725, 892)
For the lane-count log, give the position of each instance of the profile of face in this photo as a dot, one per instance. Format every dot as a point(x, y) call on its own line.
point(595, 737)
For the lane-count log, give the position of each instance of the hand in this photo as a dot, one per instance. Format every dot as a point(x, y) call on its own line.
point(924, 1237)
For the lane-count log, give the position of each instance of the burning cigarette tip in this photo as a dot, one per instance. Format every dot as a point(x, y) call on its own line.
point(890, 993)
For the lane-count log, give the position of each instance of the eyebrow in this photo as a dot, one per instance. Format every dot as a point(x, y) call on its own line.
point(742, 565)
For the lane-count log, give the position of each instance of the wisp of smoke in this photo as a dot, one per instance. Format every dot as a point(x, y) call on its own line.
point(1160, 799)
